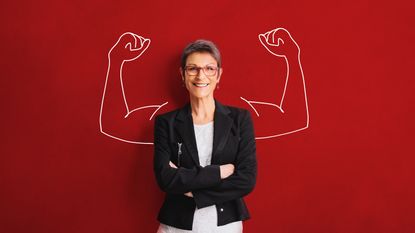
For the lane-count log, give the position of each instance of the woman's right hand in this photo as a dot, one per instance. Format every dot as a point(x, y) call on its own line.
point(129, 47)
point(226, 170)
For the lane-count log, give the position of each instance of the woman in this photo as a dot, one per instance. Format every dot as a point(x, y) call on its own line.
point(205, 154)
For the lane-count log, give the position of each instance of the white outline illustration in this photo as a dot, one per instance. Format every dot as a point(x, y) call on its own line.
point(127, 46)
point(280, 106)
point(133, 47)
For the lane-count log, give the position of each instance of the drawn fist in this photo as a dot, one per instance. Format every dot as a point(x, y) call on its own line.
point(129, 47)
point(279, 43)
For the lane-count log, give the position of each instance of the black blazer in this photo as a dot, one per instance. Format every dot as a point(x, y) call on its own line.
point(233, 142)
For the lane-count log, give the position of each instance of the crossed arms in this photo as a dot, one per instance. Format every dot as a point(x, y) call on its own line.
point(210, 184)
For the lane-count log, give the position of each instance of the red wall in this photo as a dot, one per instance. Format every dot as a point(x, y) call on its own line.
point(350, 171)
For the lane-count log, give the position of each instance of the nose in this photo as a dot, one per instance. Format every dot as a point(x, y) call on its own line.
point(200, 74)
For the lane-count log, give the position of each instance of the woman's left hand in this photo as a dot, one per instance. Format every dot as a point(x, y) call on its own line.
point(189, 194)
point(172, 164)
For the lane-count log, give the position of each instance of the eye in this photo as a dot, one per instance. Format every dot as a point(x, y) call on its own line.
point(211, 68)
point(191, 68)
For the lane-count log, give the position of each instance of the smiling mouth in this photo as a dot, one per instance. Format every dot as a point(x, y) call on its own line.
point(201, 84)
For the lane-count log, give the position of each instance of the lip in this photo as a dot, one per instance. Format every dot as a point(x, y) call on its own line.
point(195, 84)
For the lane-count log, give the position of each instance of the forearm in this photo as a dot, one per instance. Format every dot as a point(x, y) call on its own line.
point(224, 192)
point(294, 95)
point(236, 186)
point(181, 180)
point(113, 97)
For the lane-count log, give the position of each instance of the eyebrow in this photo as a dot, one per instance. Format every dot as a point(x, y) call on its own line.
point(192, 64)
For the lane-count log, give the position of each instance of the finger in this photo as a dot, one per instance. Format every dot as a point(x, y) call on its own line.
point(275, 38)
point(271, 39)
point(262, 38)
point(128, 46)
point(129, 40)
point(142, 39)
point(144, 43)
point(125, 38)
point(135, 40)
point(266, 35)
point(283, 35)
point(172, 164)
point(139, 41)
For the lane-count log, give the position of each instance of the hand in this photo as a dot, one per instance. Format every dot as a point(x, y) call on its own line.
point(172, 165)
point(129, 47)
point(279, 43)
point(226, 170)
point(189, 194)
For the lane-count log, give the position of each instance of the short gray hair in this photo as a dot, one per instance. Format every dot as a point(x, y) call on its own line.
point(201, 46)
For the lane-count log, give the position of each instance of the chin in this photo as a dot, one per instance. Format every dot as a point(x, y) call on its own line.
point(200, 95)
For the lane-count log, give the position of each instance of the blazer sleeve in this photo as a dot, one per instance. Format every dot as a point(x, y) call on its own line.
point(243, 180)
point(178, 180)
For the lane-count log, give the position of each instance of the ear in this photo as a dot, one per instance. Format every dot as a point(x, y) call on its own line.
point(220, 74)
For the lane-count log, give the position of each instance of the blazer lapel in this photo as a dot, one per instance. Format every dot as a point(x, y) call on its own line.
point(222, 126)
point(184, 127)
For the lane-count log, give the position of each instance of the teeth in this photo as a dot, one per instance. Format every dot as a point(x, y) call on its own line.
point(201, 84)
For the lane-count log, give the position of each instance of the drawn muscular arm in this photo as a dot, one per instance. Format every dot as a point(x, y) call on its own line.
point(288, 112)
point(116, 118)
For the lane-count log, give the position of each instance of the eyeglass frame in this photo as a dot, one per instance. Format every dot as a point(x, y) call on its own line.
point(201, 68)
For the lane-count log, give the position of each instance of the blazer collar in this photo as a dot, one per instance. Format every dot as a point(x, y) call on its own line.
point(222, 125)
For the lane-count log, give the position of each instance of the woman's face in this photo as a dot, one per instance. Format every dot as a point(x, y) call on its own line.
point(201, 75)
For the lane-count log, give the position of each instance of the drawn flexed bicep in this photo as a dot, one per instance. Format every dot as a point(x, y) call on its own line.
point(117, 120)
point(286, 112)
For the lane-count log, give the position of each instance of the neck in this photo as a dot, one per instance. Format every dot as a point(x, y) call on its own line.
point(203, 109)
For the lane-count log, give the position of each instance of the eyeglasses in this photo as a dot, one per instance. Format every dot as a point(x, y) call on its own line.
point(207, 70)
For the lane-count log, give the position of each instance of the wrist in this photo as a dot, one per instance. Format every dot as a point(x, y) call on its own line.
point(293, 57)
point(115, 61)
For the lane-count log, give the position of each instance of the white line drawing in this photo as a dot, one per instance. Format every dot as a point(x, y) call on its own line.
point(280, 42)
point(133, 46)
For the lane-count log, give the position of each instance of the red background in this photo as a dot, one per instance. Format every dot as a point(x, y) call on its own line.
point(351, 171)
